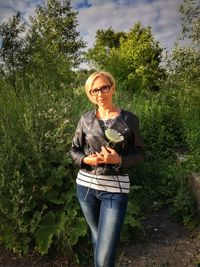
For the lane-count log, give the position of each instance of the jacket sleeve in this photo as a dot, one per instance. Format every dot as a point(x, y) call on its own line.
point(77, 148)
point(136, 149)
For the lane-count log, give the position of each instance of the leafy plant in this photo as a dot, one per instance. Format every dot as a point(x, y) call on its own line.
point(36, 173)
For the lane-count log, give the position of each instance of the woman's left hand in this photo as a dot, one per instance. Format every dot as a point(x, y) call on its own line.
point(109, 155)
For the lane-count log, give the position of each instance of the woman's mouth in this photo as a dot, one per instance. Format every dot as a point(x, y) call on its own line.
point(101, 99)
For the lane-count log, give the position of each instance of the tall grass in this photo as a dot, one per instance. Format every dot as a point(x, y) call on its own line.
point(38, 207)
point(163, 126)
point(37, 178)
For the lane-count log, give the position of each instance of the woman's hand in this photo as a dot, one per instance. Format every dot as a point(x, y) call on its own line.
point(109, 156)
point(93, 160)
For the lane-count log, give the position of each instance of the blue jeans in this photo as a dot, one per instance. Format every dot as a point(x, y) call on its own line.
point(104, 213)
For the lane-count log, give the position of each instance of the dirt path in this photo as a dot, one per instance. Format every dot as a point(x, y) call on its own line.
point(163, 244)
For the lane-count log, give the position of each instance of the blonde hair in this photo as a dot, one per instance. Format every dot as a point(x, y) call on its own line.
point(90, 80)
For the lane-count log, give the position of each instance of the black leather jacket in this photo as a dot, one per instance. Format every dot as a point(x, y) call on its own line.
point(89, 137)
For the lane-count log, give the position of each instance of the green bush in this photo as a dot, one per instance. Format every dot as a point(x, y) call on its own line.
point(159, 177)
point(37, 195)
point(38, 207)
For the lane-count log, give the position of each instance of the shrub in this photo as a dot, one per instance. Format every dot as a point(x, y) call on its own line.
point(37, 196)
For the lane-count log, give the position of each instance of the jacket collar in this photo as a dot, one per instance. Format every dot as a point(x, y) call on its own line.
point(94, 126)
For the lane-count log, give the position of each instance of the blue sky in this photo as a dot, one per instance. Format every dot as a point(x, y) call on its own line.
point(121, 15)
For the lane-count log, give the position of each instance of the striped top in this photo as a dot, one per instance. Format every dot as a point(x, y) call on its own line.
point(109, 183)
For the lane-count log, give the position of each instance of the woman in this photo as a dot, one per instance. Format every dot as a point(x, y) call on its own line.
point(102, 181)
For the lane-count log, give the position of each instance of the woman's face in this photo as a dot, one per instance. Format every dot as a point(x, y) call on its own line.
point(101, 91)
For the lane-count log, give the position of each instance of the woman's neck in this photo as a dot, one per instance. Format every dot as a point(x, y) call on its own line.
point(108, 112)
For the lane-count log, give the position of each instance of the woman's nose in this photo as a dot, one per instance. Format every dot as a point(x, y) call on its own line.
point(99, 91)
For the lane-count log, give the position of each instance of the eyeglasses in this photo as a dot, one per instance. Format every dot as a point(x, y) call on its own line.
point(103, 89)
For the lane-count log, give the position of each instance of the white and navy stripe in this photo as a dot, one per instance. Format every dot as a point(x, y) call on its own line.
point(109, 183)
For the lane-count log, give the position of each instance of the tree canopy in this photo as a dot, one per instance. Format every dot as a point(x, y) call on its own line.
point(13, 53)
point(46, 50)
point(133, 57)
point(190, 21)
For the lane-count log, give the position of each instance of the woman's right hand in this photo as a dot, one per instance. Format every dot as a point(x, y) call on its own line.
point(93, 160)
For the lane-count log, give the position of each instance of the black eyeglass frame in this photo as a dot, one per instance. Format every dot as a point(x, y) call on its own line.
point(103, 89)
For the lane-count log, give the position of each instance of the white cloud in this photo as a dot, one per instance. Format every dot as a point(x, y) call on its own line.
point(161, 15)
point(9, 7)
point(121, 15)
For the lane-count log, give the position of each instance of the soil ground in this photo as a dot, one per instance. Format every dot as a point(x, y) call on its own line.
point(164, 243)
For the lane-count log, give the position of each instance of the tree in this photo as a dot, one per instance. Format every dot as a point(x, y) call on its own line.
point(143, 55)
point(184, 61)
point(109, 38)
point(183, 81)
point(44, 52)
point(55, 26)
point(105, 41)
point(133, 58)
point(57, 46)
point(190, 20)
point(14, 52)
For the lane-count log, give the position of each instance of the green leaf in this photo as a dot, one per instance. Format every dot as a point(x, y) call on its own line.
point(60, 222)
point(132, 208)
point(53, 196)
point(45, 232)
point(35, 221)
point(79, 229)
point(132, 222)
point(44, 236)
point(72, 213)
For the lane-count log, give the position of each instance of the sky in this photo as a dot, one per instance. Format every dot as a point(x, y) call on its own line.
point(161, 15)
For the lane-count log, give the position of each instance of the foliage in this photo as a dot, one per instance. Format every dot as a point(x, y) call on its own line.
point(38, 207)
point(182, 205)
point(81, 76)
point(109, 38)
point(44, 52)
point(181, 93)
point(132, 221)
point(183, 85)
point(54, 29)
point(37, 200)
point(14, 50)
point(190, 21)
point(161, 180)
point(137, 55)
point(56, 44)
point(183, 81)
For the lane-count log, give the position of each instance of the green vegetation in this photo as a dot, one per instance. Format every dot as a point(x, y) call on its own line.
point(41, 100)
point(137, 55)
